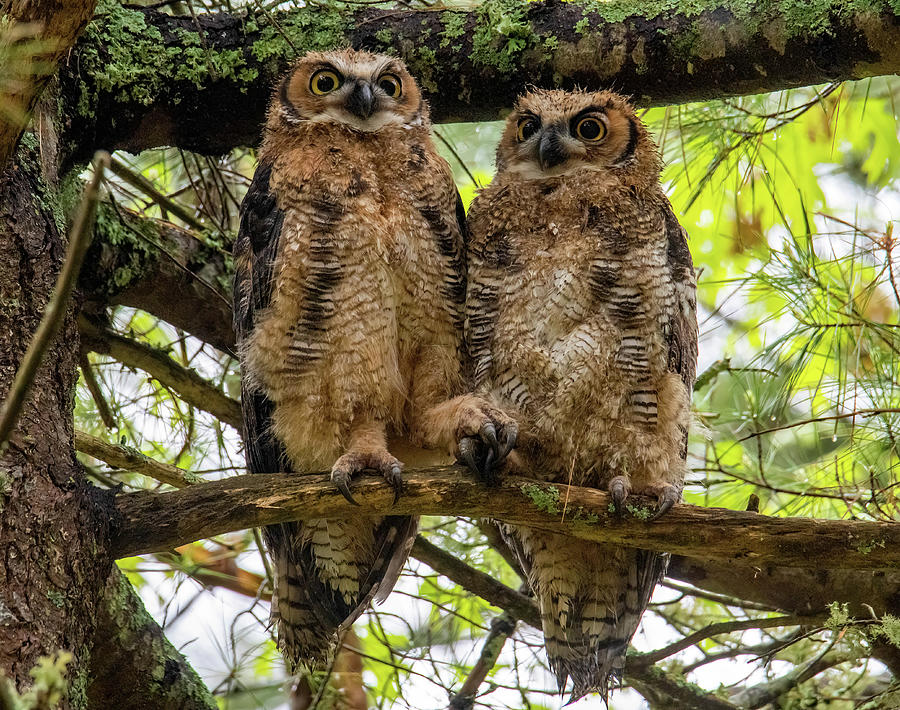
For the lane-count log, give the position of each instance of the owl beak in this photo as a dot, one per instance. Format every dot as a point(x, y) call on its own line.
point(552, 150)
point(361, 102)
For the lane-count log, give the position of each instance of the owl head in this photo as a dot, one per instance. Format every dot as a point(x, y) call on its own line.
point(360, 90)
point(554, 133)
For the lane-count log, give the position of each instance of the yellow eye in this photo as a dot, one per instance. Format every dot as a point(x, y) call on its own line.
point(590, 129)
point(324, 82)
point(390, 85)
point(526, 127)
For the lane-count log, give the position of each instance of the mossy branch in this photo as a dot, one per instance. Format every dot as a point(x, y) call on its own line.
point(140, 78)
point(150, 522)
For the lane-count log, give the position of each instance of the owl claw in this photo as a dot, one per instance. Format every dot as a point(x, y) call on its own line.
point(488, 434)
point(510, 435)
point(666, 498)
point(395, 480)
point(354, 462)
point(341, 480)
point(618, 488)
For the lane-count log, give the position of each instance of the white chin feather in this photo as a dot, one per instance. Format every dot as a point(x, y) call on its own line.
point(530, 170)
point(374, 123)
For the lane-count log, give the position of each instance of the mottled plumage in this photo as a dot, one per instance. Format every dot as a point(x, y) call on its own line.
point(349, 298)
point(581, 318)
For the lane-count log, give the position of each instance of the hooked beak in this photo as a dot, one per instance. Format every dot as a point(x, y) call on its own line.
point(552, 151)
point(361, 102)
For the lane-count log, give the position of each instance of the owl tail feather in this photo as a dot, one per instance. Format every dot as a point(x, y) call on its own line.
point(588, 625)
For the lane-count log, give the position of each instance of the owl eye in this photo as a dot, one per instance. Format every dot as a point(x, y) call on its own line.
point(590, 129)
point(324, 82)
point(390, 85)
point(526, 127)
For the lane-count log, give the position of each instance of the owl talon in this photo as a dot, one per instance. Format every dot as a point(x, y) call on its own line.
point(619, 488)
point(510, 435)
point(341, 480)
point(488, 473)
point(666, 498)
point(395, 480)
point(488, 434)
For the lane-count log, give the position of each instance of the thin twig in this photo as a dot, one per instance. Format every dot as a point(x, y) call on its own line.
point(79, 239)
point(723, 627)
point(139, 182)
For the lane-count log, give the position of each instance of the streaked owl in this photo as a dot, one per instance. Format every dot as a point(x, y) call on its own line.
point(581, 318)
point(349, 302)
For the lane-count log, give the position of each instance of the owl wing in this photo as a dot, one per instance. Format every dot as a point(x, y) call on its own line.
point(254, 253)
point(682, 319)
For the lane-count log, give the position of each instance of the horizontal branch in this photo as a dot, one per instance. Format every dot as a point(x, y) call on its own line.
point(150, 522)
point(140, 78)
point(192, 388)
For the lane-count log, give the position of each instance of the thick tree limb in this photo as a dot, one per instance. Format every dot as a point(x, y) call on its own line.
point(149, 522)
point(141, 79)
point(192, 388)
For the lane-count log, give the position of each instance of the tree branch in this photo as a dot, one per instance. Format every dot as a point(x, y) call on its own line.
point(149, 522)
point(192, 388)
point(133, 460)
point(209, 92)
point(162, 269)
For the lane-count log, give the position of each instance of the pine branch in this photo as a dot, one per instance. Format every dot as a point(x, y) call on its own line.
point(149, 522)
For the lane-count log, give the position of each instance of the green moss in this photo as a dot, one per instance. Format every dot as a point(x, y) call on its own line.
point(502, 33)
point(128, 59)
point(865, 548)
point(454, 28)
point(122, 253)
point(544, 498)
point(56, 598)
point(639, 511)
point(385, 36)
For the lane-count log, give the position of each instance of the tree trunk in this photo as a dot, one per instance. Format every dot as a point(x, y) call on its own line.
point(53, 525)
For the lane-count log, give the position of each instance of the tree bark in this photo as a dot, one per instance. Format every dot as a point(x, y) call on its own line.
point(150, 522)
point(141, 79)
point(53, 525)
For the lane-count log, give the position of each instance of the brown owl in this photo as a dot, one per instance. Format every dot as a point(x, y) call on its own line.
point(581, 318)
point(349, 302)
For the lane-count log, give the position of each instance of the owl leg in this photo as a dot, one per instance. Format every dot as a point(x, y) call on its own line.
point(367, 451)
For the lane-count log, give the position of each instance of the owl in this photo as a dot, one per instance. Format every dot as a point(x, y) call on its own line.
point(581, 319)
point(349, 303)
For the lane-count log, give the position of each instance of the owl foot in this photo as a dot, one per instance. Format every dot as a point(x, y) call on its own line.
point(486, 435)
point(619, 487)
point(667, 495)
point(354, 462)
